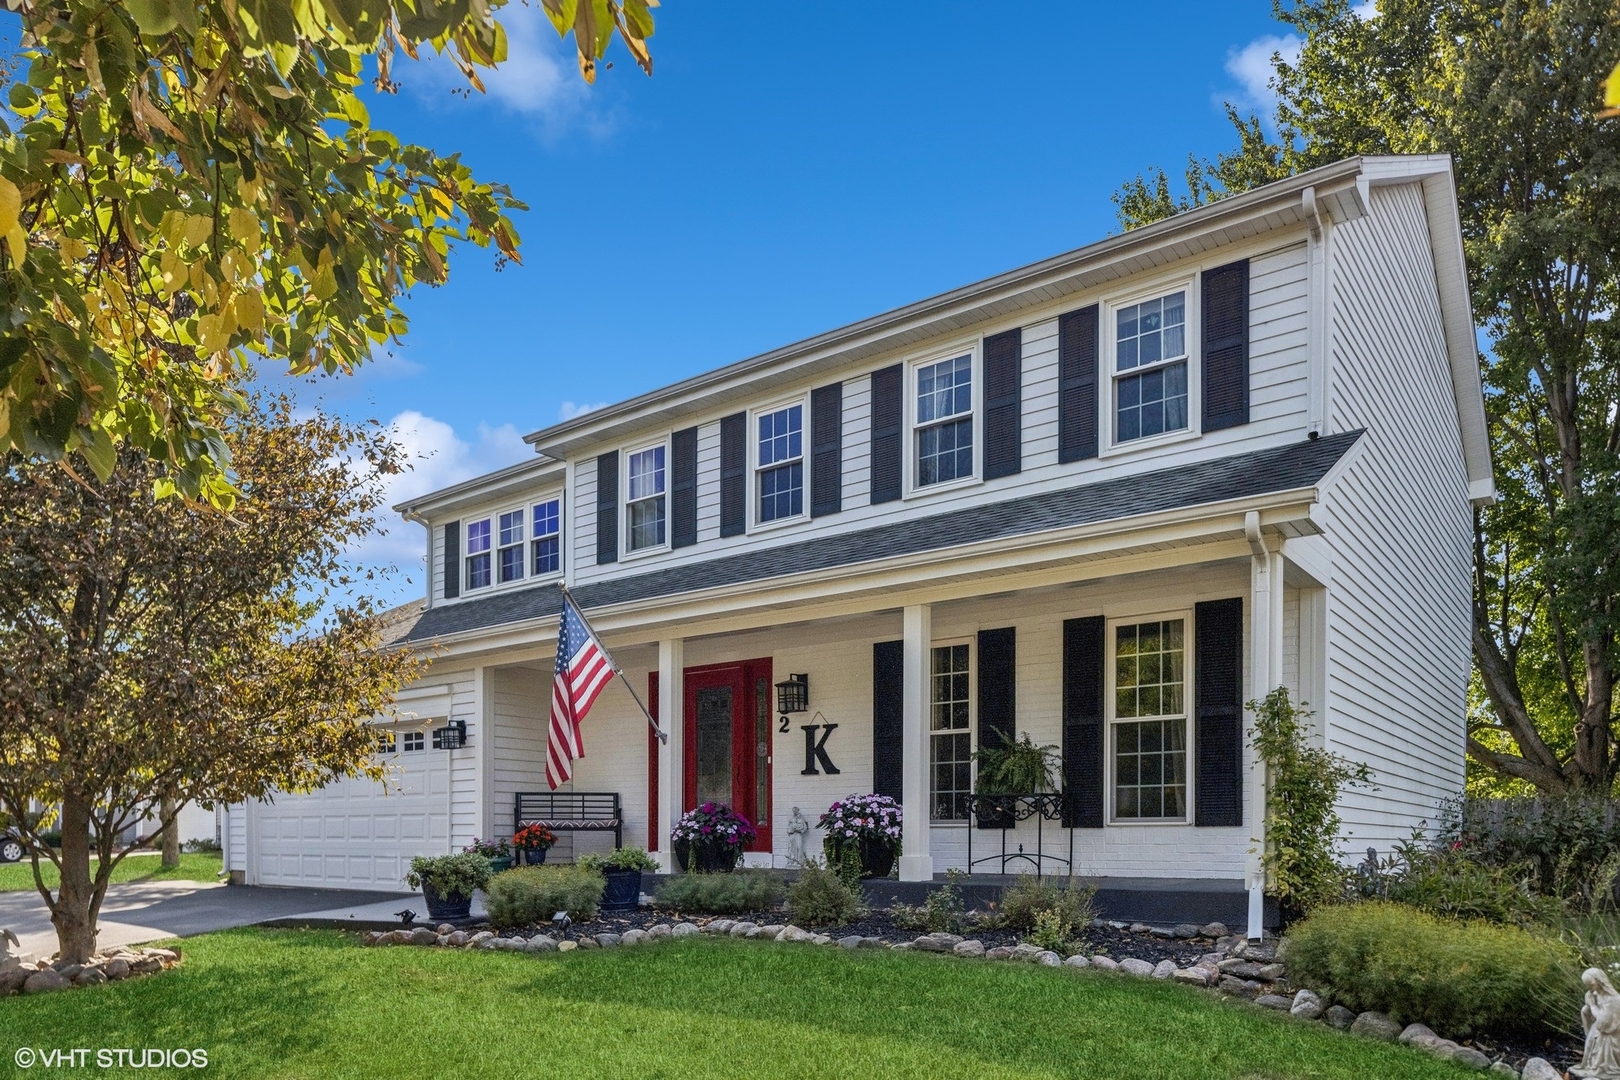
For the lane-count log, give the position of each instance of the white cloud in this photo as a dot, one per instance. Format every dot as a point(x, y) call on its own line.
point(1252, 67)
point(570, 409)
point(537, 79)
point(438, 458)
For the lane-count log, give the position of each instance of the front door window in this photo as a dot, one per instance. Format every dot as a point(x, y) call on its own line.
point(714, 724)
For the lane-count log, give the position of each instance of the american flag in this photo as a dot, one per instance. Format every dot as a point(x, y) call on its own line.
point(583, 669)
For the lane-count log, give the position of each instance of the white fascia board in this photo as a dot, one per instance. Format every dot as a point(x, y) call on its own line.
point(523, 476)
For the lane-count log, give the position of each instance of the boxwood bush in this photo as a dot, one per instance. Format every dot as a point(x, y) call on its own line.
point(721, 894)
point(531, 895)
point(1457, 977)
point(821, 897)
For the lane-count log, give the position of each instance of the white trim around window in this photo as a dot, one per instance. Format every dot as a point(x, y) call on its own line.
point(511, 545)
point(789, 461)
point(645, 510)
point(1186, 363)
point(546, 537)
point(934, 459)
point(478, 554)
point(1148, 752)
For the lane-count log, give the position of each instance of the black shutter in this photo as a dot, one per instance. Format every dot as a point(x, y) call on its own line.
point(1226, 346)
point(1077, 384)
point(452, 560)
point(1083, 723)
point(826, 449)
point(998, 709)
point(607, 507)
point(734, 474)
point(1003, 403)
point(886, 423)
point(888, 738)
point(1218, 711)
point(683, 488)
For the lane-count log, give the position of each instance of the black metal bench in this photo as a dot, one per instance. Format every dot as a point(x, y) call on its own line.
point(571, 811)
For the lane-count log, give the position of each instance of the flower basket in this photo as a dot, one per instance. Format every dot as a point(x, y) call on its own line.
point(867, 826)
point(534, 856)
point(530, 844)
point(500, 863)
point(705, 858)
point(877, 858)
point(711, 838)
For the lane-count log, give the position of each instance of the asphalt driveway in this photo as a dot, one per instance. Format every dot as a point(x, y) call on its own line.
point(139, 911)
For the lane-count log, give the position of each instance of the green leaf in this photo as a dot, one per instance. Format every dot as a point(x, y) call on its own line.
point(154, 17)
point(96, 447)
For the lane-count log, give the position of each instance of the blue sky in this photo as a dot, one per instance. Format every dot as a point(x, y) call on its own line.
point(788, 169)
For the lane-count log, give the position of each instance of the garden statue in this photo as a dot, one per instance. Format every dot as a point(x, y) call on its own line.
point(1601, 1018)
point(798, 829)
point(8, 941)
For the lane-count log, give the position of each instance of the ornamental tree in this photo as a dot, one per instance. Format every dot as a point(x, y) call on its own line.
point(191, 182)
point(1515, 92)
point(157, 651)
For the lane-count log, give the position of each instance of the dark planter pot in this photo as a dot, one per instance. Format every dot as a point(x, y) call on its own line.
point(623, 890)
point(534, 856)
point(877, 858)
point(445, 908)
point(710, 858)
point(500, 864)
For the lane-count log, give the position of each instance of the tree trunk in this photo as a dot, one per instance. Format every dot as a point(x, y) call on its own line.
point(171, 833)
point(74, 916)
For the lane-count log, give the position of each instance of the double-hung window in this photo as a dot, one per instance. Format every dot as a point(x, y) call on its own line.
point(478, 555)
point(950, 736)
point(1150, 367)
point(779, 465)
point(510, 550)
point(548, 537)
point(646, 503)
point(944, 421)
point(1149, 723)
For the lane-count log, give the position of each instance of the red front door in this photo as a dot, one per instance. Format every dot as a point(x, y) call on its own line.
point(728, 741)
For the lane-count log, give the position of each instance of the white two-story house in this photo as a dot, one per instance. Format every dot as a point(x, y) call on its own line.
point(1105, 500)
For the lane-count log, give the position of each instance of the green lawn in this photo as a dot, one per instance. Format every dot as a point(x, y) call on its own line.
point(19, 876)
point(267, 1004)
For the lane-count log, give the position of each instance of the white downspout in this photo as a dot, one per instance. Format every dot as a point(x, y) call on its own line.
point(1265, 658)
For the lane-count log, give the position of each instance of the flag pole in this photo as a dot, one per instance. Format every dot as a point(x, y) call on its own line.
point(568, 597)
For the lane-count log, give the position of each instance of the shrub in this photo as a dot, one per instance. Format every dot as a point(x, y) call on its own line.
point(530, 895)
point(625, 858)
point(450, 875)
point(1569, 843)
point(1457, 977)
point(1024, 901)
point(202, 844)
point(1446, 880)
point(721, 894)
point(1053, 930)
point(942, 913)
point(822, 897)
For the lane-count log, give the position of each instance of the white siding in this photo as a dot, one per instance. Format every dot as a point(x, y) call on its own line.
point(708, 484)
point(857, 442)
point(1399, 525)
point(583, 501)
point(522, 709)
point(1040, 396)
point(466, 811)
point(615, 735)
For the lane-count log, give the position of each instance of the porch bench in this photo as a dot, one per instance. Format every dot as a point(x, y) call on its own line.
point(571, 811)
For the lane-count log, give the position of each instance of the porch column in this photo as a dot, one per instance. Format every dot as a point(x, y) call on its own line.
point(1266, 672)
point(916, 864)
point(671, 759)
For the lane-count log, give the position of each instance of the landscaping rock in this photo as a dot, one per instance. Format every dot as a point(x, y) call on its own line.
point(741, 929)
point(1340, 1017)
point(1467, 1055)
point(1025, 952)
point(423, 936)
point(567, 946)
point(772, 932)
point(1186, 931)
point(480, 937)
point(1216, 930)
point(1132, 966)
point(44, 982)
point(12, 981)
point(853, 941)
point(608, 941)
point(904, 946)
point(873, 943)
point(1306, 1006)
point(1240, 969)
point(1280, 1002)
point(1192, 976)
point(633, 937)
point(1502, 1068)
point(588, 943)
point(542, 943)
point(89, 977)
point(719, 926)
point(1165, 969)
point(1000, 952)
point(166, 955)
point(457, 939)
point(793, 933)
point(1420, 1034)
point(661, 931)
point(1376, 1025)
point(1077, 961)
point(147, 965)
point(930, 943)
point(1231, 984)
point(68, 971)
point(1048, 958)
point(116, 969)
point(971, 948)
point(952, 940)
point(683, 929)
point(1104, 963)
point(820, 939)
point(1273, 972)
point(442, 940)
point(1141, 928)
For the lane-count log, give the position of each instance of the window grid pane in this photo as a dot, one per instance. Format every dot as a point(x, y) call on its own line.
point(547, 555)
point(1150, 755)
point(945, 389)
point(951, 741)
point(781, 492)
point(1150, 332)
point(647, 499)
point(478, 571)
point(1153, 400)
point(781, 435)
point(512, 528)
point(647, 523)
point(478, 536)
point(945, 452)
point(547, 518)
point(647, 473)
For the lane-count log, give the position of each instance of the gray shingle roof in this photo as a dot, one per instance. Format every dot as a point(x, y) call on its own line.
point(1258, 472)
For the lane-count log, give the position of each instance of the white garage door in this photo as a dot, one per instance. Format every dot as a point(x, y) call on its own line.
point(355, 834)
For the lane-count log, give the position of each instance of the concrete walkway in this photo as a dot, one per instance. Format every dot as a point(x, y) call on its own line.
point(140, 911)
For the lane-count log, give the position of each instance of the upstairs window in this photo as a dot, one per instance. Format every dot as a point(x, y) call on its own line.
point(779, 477)
point(646, 502)
point(548, 537)
point(1150, 367)
point(478, 556)
point(511, 546)
point(944, 430)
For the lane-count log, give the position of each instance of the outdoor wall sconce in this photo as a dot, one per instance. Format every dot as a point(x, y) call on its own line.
point(793, 694)
point(453, 736)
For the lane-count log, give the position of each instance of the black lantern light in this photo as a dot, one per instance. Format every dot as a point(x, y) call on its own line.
point(793, 694)
point(453, 736)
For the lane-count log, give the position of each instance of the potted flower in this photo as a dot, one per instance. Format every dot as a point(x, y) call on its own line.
point(448, 882)
point(498, 852)
point(622, 868)
point(533, 841)
point(869, 825)
point(711, 838)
